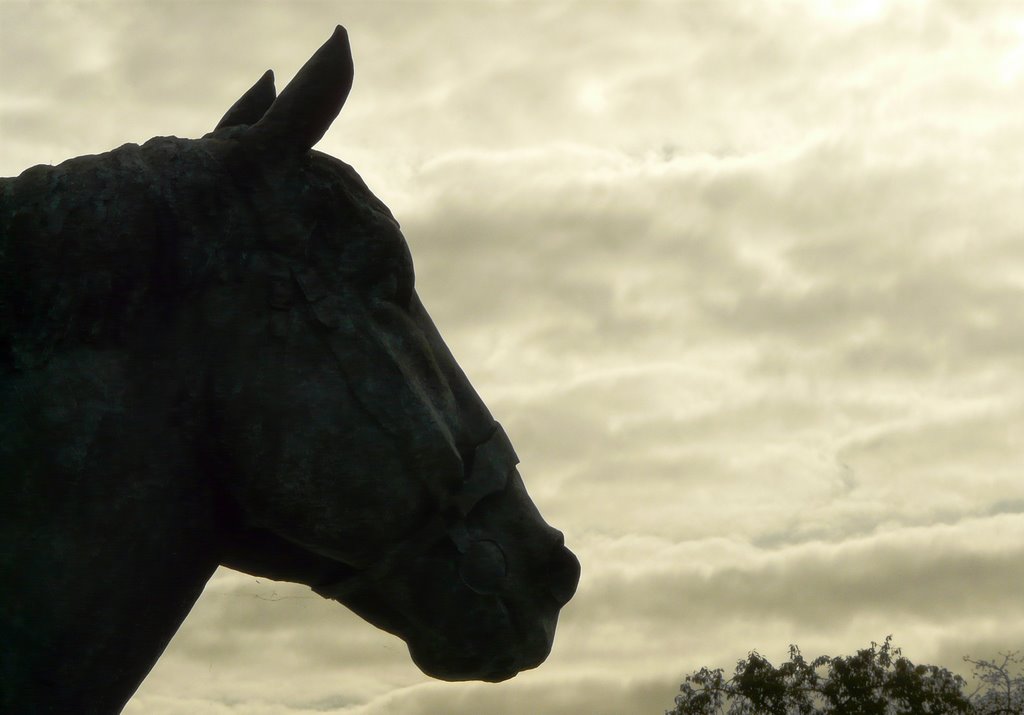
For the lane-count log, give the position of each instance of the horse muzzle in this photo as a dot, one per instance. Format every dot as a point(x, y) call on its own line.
point(475, 592)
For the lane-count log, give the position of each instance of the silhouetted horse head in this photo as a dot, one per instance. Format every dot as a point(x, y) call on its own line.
point(219, 343)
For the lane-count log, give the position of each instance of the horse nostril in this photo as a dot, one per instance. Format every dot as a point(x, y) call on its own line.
point(564, 570)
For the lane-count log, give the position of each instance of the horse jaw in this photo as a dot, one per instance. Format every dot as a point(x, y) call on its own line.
point(455, 630)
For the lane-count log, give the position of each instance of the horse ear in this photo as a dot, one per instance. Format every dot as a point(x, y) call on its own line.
point(252, 105)
point(304, 110)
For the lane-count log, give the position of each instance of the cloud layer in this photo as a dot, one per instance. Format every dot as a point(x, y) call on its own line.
point(744, 284)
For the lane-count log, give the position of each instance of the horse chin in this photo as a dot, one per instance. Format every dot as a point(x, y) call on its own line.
point(480, 643)
point(489, 657)
point(453, 668)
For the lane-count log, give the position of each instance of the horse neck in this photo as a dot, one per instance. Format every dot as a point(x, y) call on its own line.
point(109, 544)
point(108, 533)
point(107, 520)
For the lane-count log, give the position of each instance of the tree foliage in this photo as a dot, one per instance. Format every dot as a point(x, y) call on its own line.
point(1000, 690)
point(877, 680)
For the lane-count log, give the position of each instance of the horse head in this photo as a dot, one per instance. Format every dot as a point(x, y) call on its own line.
point(212, 352)
point(350, 451)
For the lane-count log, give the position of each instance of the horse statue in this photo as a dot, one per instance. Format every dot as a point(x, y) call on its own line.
point(212, 352)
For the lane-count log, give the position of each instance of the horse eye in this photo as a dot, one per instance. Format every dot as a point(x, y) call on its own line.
point(386, 288)
point(483, 567)
point(403, 290)
point(391, 288)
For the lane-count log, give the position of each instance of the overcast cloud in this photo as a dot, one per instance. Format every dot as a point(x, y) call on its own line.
point(744, 282)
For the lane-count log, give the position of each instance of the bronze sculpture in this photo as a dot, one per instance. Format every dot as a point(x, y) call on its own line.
point(212, 352)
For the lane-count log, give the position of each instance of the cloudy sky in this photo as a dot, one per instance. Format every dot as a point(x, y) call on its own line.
point(744, 281)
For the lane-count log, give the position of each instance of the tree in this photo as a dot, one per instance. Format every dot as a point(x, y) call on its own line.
point(875, 681)
point(1000, 691)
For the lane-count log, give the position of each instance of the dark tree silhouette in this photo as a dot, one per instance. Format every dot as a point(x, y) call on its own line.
point(875, 681)
point(1000, 690)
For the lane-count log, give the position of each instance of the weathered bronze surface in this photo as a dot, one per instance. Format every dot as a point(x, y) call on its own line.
point(212, 352)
